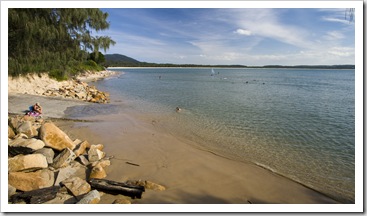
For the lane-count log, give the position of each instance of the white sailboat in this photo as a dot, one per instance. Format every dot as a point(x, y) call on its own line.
point(212, 74)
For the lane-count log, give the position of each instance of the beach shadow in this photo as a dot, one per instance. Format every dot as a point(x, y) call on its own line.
point(183, 198)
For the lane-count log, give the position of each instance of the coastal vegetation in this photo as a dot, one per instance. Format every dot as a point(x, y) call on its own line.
point(118, 60)
point(58, 41)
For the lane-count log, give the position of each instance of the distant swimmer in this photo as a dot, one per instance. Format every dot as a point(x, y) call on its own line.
point(160, 77)
point(178, 109)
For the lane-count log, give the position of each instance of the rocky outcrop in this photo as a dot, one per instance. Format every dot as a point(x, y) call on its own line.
point(62, 169)
point(77, 89)
point(42, 84)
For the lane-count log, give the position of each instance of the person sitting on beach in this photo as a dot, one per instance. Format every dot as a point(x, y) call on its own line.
point(37, 107)
point(35, 110)
point(178, 109)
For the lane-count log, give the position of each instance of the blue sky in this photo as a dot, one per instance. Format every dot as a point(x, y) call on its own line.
point(249, 36)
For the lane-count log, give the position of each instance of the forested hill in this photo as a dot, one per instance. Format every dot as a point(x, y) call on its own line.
point(118, 60)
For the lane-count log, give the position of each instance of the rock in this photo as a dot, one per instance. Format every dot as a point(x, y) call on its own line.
point(121, 201)
point(63, 159)
point(19, 150)
point(82, 160)
point(148, 185)
point(27, 162)
point(26, 128)
point(93, 197)
point(76, 186)
point(31, 180)
point(103, 163)
point(95, 154)
point(14, 122)
point(62, 197)
point(48, 153)
point(98, 172)
point(81, 148)
point(74, 170)
point(98, 146)
point(11, 133)
point(21, 135)
point(11, 190)
point(54, 137)
point(34, 144)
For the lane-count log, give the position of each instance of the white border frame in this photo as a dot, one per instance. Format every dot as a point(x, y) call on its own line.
point(357, 207)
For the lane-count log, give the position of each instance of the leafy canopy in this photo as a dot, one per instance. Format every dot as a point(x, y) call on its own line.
point(57, 40)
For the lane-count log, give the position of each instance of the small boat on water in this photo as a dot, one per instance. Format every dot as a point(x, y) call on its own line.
point(212, 74)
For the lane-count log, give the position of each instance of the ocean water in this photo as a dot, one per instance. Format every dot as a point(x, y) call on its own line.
point(299, 123)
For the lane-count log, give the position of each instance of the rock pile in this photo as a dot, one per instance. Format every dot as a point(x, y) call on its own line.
point(77, 89)
point(46, 166)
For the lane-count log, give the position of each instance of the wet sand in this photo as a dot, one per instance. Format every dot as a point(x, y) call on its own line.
point(190, 175)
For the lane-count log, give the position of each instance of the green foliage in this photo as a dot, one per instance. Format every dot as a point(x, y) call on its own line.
point(54, 40)
point(99, 58)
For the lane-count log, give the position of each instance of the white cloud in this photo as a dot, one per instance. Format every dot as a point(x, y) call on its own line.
point(243, 32)
point(341, 51)
point(333, 19)
point(266, 23)
point(334, 35)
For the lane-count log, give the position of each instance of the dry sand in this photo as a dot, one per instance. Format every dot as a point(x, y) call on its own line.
point(190, 175)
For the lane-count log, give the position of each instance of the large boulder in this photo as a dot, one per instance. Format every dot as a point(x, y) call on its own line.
point(27, 128)
point(54, 137)
point(48, 153)
point(76, 186)
point(74, 170)
point(81, 148)
point(63, 159)
point(27, 162)
point(34, 144)
point(31, 180)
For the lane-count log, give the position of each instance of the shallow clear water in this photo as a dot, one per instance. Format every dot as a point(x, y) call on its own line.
point(297, 123)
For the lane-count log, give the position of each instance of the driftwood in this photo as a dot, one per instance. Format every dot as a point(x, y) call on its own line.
point(35, 196)
point(113, 187)
point(134, 164)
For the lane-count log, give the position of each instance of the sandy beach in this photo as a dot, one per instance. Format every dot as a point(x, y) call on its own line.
point(190, 175)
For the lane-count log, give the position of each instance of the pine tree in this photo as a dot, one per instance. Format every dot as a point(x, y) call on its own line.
point(54, 40)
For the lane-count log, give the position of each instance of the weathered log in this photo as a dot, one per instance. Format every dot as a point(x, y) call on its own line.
point(16, 150)
point(35, 196)
point(113, 187)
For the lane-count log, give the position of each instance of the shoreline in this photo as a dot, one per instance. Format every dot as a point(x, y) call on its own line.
point(184, 169)
point(191, 175)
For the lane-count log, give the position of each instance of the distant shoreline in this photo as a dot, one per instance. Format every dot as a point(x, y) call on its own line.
point(352, 67)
